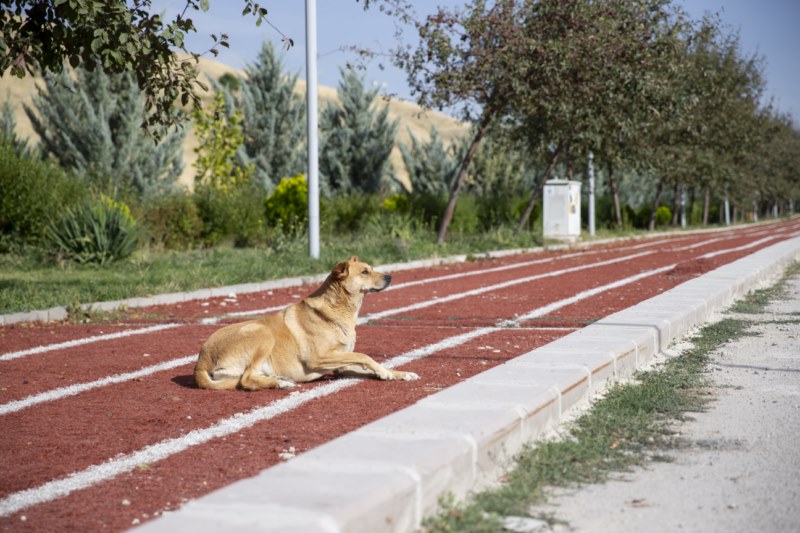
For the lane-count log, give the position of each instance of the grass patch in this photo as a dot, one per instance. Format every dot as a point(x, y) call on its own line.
point(631, 425)
point(756, 301)
point(28, 282)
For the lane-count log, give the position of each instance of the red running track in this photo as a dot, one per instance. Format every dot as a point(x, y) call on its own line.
point(79, 404)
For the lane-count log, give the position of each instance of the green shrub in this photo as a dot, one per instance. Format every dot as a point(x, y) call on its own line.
point(172, 221)
point(349, 212)
point(397, 203)
point(466, 218)
point(663, 216)
point(232, 214)
point(642, 219)
point(31, 191)
point(287, 207)
point(98, 231)
point(498, 209)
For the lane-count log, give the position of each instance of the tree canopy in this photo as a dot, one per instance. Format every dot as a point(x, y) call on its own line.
point(40, 36)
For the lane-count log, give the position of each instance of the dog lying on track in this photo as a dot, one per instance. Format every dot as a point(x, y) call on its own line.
point(303, 342)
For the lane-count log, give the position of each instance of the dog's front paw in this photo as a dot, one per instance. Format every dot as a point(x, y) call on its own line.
point(286, 383)
point(405, 376)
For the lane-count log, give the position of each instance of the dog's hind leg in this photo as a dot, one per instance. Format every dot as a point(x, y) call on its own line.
point(256, 378)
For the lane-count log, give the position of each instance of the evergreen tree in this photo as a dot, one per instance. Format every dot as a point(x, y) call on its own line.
point(357, 140)
point(500, 167)
point(93, 124)
point(274, 121)
point(431, 166)
point(8, 131)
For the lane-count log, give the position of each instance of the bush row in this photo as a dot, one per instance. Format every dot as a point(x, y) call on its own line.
point(74, 218)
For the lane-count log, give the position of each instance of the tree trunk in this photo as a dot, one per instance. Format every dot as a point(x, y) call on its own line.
point(538, 190)
point(462, 174)
point(652, 225)
point(706, 204)
point(691, 206)
point(676, 204)
point(612, 185)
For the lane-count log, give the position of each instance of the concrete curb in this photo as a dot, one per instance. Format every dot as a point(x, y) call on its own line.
point(388, 475)
point(60, 312)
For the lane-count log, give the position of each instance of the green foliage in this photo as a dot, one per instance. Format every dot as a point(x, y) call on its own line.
point(31, 192)
point(663, 216)
point(397, 203)
point(431, 166)
point(287, 206)
point(231, 82)
point(501, 168)
point(219, 137)
point(356, 142)
point(227, 199)
point(348, 212)
point(234, 215)
point(500, 208)
point(39, 36)
point(8, 130)
point(100, 231)
point(172, 221)
point(273, 120)
point(92, 124)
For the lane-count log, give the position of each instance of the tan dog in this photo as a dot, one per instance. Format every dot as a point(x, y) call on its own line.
point(303, 342)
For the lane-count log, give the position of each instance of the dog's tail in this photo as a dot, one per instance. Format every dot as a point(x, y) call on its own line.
point(203, 379)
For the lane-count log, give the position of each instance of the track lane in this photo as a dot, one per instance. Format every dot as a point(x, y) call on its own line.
point(380, 343)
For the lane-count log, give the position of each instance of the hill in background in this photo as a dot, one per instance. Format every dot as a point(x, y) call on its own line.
point(411, 117)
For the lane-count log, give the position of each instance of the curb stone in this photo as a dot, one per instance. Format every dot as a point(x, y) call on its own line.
point(389, 474)
point(60, 313)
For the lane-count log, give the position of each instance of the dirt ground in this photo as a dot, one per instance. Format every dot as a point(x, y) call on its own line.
point(740, 470)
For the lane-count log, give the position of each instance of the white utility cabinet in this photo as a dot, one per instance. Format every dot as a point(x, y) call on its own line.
point(561, 211)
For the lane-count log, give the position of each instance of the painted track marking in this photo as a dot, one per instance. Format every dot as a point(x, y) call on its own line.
point(62, 392)
point(156, 452)
point(86, 340)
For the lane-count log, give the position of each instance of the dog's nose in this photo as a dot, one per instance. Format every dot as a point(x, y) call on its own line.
point(387, 278)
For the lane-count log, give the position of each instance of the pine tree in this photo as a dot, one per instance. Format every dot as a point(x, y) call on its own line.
point(8, 131)
point(431, 166)
point(92, 124)
point(274, 120)
point(500, 167)
point(357, 140)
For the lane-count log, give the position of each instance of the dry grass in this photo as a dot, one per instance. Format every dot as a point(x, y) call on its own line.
point(412, 118)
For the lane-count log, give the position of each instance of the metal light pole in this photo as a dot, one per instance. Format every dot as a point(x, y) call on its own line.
point(727, 208)
point(312, 129)
point(590, 172)
point(683, 206)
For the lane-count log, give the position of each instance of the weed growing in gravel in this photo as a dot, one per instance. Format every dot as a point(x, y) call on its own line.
point(756, 301)
point(630, 426)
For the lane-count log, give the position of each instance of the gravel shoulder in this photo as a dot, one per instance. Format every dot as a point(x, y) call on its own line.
point(739, 469)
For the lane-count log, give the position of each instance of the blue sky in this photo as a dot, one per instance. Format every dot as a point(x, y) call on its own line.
point(767, 27)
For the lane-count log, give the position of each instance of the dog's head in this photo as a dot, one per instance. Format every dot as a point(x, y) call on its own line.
point(358, 277)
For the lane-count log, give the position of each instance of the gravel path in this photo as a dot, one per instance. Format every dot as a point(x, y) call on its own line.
point(741, 470)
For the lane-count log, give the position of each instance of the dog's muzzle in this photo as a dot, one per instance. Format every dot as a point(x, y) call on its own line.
point(387, 279)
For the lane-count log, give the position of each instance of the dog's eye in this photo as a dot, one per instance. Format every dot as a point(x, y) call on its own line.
point(366, 272)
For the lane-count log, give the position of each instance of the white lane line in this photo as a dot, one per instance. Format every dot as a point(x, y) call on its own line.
point(156, 452)
point(214, 320)
point(71, 390)
point(86, 340)
point(495, 287)
point(738, 248)
point(55, 394)
point(77, 388)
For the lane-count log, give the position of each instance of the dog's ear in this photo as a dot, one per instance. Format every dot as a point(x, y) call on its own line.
point(353, 259)
point(340, 270)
